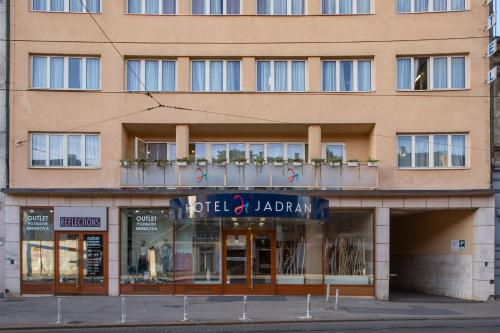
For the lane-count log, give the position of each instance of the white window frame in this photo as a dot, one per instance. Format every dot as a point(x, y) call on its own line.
point(289, 76)
point(354, 74)
point(430, 72)
point(207, 76)
point(344, 150)
point(65, 151)
point(65, 8)
point(206, 7)
point(142, 75)
point(83, 79)
point(431, 152)
point(430, 8)
point(168, 143)
point(288, 9)
point(354, 8)
point(160, 8)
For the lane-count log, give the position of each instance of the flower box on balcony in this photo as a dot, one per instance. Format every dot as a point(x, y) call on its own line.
point(373, 164)
point(353, 163)
point(201, 162)
point(335, 164)
point(240, 163)
point(278, 164)
point(298, 162)
point(181, 163)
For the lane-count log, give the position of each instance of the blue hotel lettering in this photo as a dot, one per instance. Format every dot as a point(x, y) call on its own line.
point(267, 206)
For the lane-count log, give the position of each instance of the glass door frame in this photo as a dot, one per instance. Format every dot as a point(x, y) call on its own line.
point(81, 287)
point(249, 288)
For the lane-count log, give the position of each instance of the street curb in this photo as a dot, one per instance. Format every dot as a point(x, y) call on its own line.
point(237, 322)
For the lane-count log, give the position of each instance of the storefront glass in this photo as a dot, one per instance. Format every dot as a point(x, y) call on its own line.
point(349, 248)
point(147, 245)
point(298, 252)
point(197, 252)
point(38, 246)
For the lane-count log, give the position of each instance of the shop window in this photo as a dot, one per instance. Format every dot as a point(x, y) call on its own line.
point(147, 246)
point(349, 248)
point(298, 252)
point(197, 252)
point(38, 246)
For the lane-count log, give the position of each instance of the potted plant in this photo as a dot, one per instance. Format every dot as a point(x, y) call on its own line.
point(259, 161)
point(353, 162)
point(220, 161)
point(279, 161)
point(240, 161)
point(125, 163)
point(317, 161)
point(162, 163)
point(141, 163)
point(335, 162)
point(201, 161)
point(298, 161)
point(182, 161)
point(372, 162)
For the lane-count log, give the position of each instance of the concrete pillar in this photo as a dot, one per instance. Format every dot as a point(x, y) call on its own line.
point(182, 141)
point(314, 141)
point(12, 256)
point(113, 252)
point(483, 253)
point(314, 73)
point(382, 253)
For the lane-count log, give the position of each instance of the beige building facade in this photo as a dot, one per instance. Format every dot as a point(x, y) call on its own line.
point(249, 147)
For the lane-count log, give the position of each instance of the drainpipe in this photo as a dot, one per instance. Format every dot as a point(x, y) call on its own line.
point(7, 94)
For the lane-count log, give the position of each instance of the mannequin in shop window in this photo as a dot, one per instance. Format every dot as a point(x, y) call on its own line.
point(142, 263)
point(166, 256)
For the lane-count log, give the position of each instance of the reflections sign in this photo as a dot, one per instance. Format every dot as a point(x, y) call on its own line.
point(80, 218)
point(250, 205)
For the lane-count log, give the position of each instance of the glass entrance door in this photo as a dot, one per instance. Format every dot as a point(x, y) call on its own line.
point(249, 262)
point(80, 263)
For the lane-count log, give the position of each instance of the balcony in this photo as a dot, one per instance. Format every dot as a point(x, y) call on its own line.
point(306, 176)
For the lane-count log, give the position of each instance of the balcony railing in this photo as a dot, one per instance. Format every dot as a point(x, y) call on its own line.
point(306, 176)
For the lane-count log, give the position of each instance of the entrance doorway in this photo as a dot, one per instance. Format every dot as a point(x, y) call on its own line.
point(81, 263)
point(249, 262)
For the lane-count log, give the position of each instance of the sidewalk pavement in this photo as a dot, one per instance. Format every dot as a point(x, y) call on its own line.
point(82, 311)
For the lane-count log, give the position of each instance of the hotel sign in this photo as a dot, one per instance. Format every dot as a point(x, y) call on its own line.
point(250, 205)
point(80, 219)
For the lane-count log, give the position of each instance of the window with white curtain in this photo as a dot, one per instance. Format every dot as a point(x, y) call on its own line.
point(65, 150)
point(347, 75)
point(215, 75)
point(431, 73)
point(151, 75)
point(420, 6)
point(281, 75)
point(432, 151)
point(215, 7)
point(62, 72)
point(73, 6)
point(152, 7)
point(346, 7)
point(281, 7)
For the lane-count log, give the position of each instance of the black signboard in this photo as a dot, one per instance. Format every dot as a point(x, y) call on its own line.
point(94, 254)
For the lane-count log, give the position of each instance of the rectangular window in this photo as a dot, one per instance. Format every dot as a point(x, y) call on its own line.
point(152, 7)
point(345, 7)
point(431, 73)
point(236, 151)
point(147, 251)
point(432, 151)
point(215, 75)
point(422, 6)
point(65, 150)
point(219, 152)
point(157, 75)
point(256, 152)
point(72, 6)
point(347, 75)
point(58, 72)
point(334, 152)
point(215, 7)
point(281, 75)
point(275, 151)
point(37, 245)
point(281, 7)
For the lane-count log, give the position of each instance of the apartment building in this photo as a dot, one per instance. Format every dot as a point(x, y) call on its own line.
point(249, 147)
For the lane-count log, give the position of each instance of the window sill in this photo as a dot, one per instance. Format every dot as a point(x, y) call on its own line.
point(63, 168)
point(65, 90)
point(62, 12)
point(148, 14)
point(433, 169)
point(432, 90)
point(434, 12)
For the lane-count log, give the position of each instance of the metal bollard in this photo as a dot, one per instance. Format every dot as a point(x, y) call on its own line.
point(327, 298)
point(185, 317)
point(245, 314)
point(308, 308)
point(59, 310)
point(336, 299)
point(124, 310)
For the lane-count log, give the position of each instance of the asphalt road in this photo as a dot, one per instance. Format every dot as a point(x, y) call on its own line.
point(427, 326)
